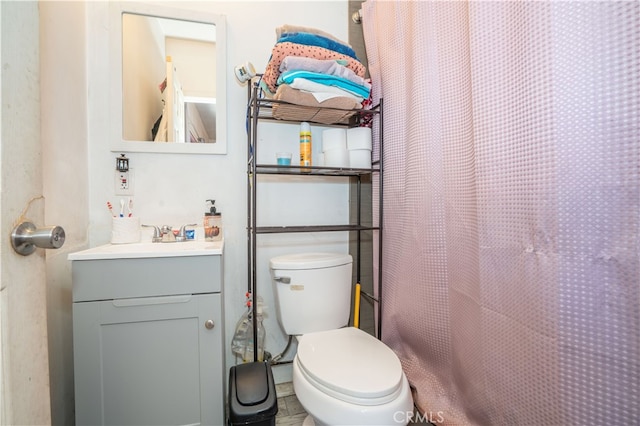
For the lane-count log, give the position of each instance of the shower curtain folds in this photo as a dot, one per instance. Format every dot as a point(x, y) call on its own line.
point(512, 206)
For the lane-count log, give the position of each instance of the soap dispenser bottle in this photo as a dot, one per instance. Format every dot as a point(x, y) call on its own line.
point(212, 222)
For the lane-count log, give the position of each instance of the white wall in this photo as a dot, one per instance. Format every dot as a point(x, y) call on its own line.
point(64, 100)
point(170, 188)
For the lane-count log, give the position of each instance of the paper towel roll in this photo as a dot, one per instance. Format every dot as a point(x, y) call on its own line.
point(359, 138)
point(334, 139)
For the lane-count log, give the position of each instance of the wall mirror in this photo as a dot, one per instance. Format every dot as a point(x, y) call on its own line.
point(168, 80)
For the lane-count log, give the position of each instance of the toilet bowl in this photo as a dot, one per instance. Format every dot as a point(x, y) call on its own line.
point(341, 375)
point(347, 377)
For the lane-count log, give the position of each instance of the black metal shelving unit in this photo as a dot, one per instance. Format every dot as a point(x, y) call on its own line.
point(260, 109)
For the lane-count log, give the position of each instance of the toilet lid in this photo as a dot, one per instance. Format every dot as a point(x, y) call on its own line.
point(350, 362)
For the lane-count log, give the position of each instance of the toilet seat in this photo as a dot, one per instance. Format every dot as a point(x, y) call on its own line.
point(350, 365)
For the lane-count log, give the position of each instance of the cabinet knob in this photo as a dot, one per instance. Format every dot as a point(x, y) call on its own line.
point(209, 324)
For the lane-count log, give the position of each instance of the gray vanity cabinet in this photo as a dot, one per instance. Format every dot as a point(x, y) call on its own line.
point(148, 341)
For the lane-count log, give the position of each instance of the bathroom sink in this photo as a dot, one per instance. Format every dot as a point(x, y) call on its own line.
point(148, 249)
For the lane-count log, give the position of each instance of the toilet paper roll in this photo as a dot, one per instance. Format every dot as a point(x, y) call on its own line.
point(359, 138)
point(336, 158)
point(125, 230)
point(360, 158)
point(334, 139)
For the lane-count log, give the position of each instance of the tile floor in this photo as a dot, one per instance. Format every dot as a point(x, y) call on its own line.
point(290, 412)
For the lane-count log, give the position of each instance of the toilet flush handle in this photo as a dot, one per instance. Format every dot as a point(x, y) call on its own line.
point(283, 280)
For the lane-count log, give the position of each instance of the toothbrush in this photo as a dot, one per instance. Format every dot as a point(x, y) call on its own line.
point(110, 207)
point(121, 207)
point(129, 207)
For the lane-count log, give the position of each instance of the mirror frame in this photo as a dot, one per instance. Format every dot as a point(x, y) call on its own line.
point(118, 143)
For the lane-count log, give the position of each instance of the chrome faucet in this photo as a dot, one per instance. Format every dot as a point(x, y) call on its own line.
point(164, 233)
point(167, 234)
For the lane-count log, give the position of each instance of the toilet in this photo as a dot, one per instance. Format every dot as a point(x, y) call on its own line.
point(341, 375)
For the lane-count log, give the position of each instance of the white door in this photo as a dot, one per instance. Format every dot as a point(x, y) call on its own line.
point(24, 364)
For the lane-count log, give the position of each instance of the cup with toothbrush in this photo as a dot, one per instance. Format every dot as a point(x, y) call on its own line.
point(125, 227)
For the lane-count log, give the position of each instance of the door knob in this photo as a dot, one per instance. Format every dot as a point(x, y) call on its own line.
point(209, 324)
point(26, 237)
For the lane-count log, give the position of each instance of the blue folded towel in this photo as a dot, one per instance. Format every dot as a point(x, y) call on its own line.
point(317, 40)
point(326, 79)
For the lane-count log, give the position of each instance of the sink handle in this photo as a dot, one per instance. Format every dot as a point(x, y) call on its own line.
point(157, 236)
point(181, 235)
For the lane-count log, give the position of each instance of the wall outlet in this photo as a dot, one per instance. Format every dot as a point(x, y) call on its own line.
point(124, 182)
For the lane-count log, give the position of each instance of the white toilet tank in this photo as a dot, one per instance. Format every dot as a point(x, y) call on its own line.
point(312, 291)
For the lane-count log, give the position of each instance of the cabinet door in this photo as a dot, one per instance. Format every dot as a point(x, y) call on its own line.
point(149, 361)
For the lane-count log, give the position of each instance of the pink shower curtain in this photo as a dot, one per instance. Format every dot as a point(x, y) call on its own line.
point(511, 263)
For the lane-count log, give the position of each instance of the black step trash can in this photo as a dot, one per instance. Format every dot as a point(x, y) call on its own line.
point(252, 395)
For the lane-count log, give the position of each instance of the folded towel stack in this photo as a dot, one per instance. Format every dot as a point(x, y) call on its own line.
point(311, 68)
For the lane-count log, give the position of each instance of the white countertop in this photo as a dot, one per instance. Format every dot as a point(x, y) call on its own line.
point(142, 250)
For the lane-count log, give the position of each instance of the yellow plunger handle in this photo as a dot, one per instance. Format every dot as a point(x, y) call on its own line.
point(356, 307)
